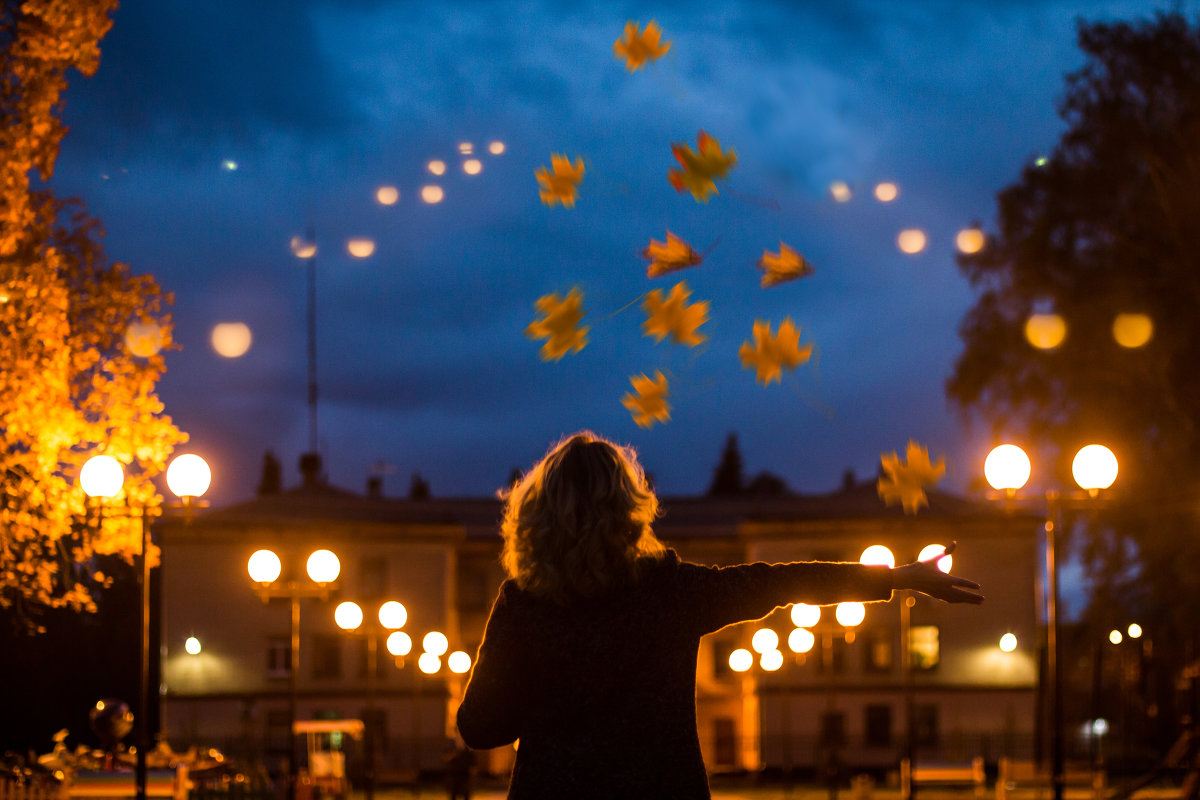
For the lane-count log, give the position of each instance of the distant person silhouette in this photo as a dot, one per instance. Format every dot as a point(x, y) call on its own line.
point(589, 655)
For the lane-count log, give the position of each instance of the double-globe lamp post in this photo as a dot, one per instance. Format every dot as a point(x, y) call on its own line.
point(102, 477)
point(323, 569)
point(1094, 468)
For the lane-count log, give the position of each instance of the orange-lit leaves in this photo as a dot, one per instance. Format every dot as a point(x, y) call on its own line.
point(905, 483)
point(700, 167)
point(638, 47)
point(673, 254)
point(674, 317)
point(771, 354)
point(559, 324)
point(560, 183)
point(649, 404)
point(786, 265)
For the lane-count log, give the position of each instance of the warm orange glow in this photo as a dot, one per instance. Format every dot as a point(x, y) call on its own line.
point(192, 646)
point(740, 660)
point(387, 195)
point(399, 643)
point(886, 192)
point(840, 191)
point(472, 166)
point(934, 551)
point(1008, 642)
point(771, 660)
point(101, 476)
point(429, 663)
point(432, 194)
point(1094, 468)
point(264, 566)
point(466, 148)
point(764, 639)
point(302, 248)
point(1115, 636)
point(436, 643)
point(911, 241)
point(458, 662)
point(496, 148)
point(801, 640)
point(850, 614)
point(1135, 630)
point(805, 616)
point(323, 566)
point(348, 616)
point(436, 167)
point(877, 555)
point(143, 339)
point(1132, 330)
point(393, 615)
point(360, 247)
point(231, 339)
point(1045, 331)
point(969, 240)
point(188, 475)
point(1006, 468)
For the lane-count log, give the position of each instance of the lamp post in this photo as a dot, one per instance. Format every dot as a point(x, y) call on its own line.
point(1007, 468)
point(349, 617)
point(323, 569)
point(188, 477)
point(434, 645)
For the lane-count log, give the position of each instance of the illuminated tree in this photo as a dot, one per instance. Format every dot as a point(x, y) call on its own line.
point(1107, 225)
point(81, 340)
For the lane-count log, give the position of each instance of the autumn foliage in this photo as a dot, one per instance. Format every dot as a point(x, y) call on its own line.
point(70, 387)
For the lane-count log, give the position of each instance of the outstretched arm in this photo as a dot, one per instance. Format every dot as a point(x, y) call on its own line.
point(926, 578)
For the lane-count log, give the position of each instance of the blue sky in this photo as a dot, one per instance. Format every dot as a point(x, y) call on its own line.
point(423, 363)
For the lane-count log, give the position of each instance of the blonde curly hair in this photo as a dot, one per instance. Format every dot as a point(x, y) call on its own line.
point(579, 519)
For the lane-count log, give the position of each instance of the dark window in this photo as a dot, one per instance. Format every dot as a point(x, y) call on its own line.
point(926, 724)
point(878, 724)
point(724, 742)
point(833, 729)
point(327, 656)
point(877, 650)
point(279, 657)
point(832, 657)
point(924, 647)
point(373, 576)
point(383, 660)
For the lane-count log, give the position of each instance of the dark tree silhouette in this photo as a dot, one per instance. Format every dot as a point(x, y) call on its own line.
point(727, 477)
point(1108, 225)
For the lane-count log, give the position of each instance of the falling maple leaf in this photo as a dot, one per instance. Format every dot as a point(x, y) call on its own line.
point(668, 256)
point(771, 354)
point(700, 166)
point(674, 317)
point(636, 48)
point(786, 265)
point(559, 325)
point(905, 483)
point(650, 404)
point(560, 183)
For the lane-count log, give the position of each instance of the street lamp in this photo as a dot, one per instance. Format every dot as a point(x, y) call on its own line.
point(349, 617)
point(265, 568)
point(188, 477)
point(434, 645)
point(1007, 468)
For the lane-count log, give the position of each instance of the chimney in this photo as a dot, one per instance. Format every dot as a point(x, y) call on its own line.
point(375, 487)
point(270, 482)
point(310, 470)
point(848, 480)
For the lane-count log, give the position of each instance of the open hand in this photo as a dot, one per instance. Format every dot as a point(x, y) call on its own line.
point(926, 578)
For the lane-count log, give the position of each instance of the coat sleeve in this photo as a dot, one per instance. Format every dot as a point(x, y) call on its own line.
point(721, 596)
point(489, 714)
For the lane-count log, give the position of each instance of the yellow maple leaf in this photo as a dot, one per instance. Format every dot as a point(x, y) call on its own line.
point(786, 265)
point(905, 483)
point(560, 183)
point(700, 166)
point(674, 317)
point(559, 324)
point(638, 47)
point(650, 404)
point(668, 256)
point(770, 354)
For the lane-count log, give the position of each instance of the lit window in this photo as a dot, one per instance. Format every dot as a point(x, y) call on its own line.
point(924, 647)
point(279, 657)
point(878, 651)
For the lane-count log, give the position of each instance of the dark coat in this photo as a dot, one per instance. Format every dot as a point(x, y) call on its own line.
point(601, 692)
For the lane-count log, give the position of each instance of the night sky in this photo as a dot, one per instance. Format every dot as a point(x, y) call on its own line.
point(216, 132)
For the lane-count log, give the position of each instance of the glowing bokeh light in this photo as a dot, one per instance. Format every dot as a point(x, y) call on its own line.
point(1094, 468)
point(458, 662)
point(192, 646)
point(1008, 642)
point(429, 663)
point(877, 555)
point(764, 639)
point(801, 640)
point(264, 566)
point(387, 195)
point(1115, 636)
point(911, 241)
point(432, 194)
point(435, 642)
point(969, 240)
point(101, 476)
point(934, 551)
point(360, 247)
point(348, 616)
point(472, 166)
point(1006, 468)
point(399, 643)
point(740, 660)
point(229, 165)
point(1045, 331)
point(1134, 631)
point(1132, 330)
point(771, 660)
point(496, 148)
point(805, 616)
point(393, 615)
point(303, 248)
point(466, 148)
point(840, 191)
point(886, 192)
point(144, 339)
point(323, 566)
point(231, 339)
point(849, 615)
point(188, 475)
point(436, 167)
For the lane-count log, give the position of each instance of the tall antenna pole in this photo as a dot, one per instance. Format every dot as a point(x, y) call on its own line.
point(312, 342)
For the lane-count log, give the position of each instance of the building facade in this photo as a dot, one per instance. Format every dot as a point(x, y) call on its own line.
point(849, 697)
